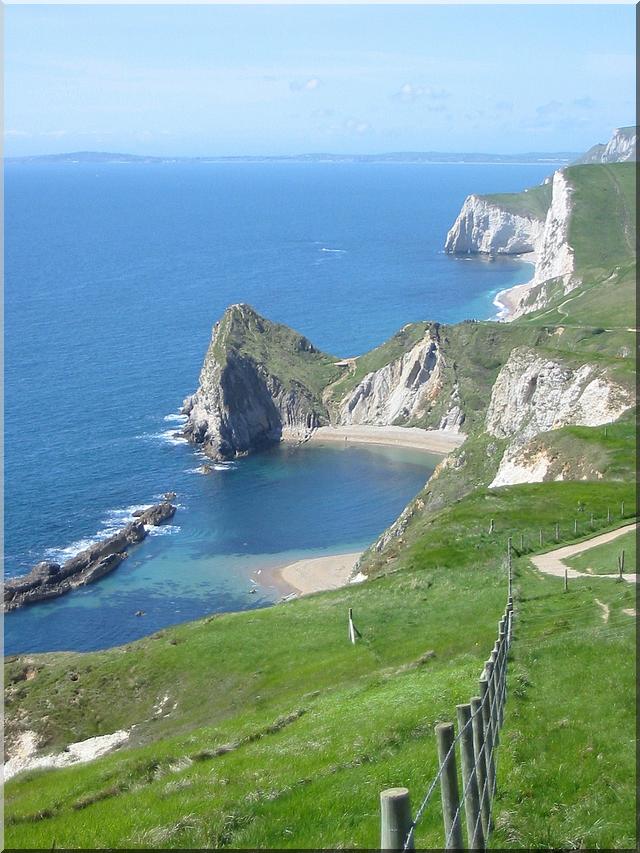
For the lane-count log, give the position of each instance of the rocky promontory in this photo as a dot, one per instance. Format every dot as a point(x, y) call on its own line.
point(48, 580)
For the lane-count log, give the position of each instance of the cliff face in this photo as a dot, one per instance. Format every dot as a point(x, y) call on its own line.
point(256, 386)
point(488, 228)
point(621, 148)
point(492, 228)
point(533, 395)
point(397, 392)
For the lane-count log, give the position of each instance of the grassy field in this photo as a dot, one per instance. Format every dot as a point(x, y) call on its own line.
point(284, 733)
point(603, 559)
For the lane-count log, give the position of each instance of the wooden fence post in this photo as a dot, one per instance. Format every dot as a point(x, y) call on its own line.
point(591, 522)
point(622, 510)
point(566, 581)
point(492, 526)
point(395, 819)
point(541, 538)
point(521, 543)
point(449, 787)
point(475, 836)
point(575, 527)
point(480, 761)
point(608, 515)
point(485, 697)
point(557, 532)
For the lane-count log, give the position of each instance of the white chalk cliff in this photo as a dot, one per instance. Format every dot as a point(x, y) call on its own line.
point(398, 391)
point(621, 148)
point(486, 228)
point(533, 394)
point(483, 227)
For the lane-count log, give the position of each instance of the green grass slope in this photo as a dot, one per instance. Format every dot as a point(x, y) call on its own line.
point(284, 733)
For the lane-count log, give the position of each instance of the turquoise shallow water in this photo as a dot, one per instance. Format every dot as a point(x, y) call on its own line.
point(114, 276)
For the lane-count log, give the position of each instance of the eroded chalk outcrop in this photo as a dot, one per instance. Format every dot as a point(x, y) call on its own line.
point(534, 394)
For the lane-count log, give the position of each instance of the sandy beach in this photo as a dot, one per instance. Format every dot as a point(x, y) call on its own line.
point(431, 440)
point(313, 574)
point(506, 301)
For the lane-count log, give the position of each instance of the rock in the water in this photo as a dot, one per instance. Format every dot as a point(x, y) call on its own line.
point(48, 580)
point(169, 496)
point(157, 514)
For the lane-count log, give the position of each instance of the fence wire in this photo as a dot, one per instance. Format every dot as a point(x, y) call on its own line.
point(486, 757)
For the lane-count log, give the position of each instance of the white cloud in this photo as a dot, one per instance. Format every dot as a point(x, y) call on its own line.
point(307, 86)
point(408, 93)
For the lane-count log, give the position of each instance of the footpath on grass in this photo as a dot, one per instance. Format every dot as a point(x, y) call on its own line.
point(551, 563)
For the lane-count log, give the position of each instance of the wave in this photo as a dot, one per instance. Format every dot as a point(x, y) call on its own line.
point(169, 436)
point(163, 529)
point(215, 466)
point(113, 521)
point(176, 417)
point(334, 251)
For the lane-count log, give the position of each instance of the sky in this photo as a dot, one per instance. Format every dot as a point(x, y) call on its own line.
point(242, 80)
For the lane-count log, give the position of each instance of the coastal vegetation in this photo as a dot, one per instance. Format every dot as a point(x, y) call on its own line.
point(269, 729)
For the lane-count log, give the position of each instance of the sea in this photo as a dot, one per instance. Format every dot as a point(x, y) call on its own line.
point(114, 277)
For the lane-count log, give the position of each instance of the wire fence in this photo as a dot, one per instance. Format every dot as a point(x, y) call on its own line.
point(476, 742)
point(467, 815)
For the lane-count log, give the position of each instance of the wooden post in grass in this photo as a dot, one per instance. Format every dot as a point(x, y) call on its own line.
point(591, 521)
point(475, 836)
point(622, 510)
point(541, 538)
point(605, 432)
point(557, 532)
point(566, 581)
point(492, 526)
point(480, 761)
point(509, 565)
point(352, 627)
point(622, 560)
point(575, 526)
point(522, 543)
point(395, 819)
point(449, 788)
point(608, 515)
point(619, 578)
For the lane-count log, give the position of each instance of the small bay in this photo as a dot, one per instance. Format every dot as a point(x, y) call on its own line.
point(114, 275)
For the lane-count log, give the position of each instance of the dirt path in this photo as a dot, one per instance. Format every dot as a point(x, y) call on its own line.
point(551, 563)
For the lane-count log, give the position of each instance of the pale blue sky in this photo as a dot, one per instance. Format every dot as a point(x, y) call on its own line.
point(194, 80)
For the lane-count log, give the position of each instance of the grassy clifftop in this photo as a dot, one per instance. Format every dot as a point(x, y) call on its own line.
point(533, 202)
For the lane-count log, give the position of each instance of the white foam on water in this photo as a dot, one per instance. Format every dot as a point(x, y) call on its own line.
point(176, 417)
point(172, 437)
point(113, 522)
point(169, 436)
point(334, 251)
point(61, 555)
point(162, 529)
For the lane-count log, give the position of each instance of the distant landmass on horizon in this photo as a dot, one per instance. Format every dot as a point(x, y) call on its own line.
point(391, 157)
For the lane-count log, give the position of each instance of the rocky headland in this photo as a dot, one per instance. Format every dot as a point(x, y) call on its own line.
point(536, 223)
point(48, 580)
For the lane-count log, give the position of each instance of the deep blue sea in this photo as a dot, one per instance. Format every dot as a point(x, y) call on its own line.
point(114, 276)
